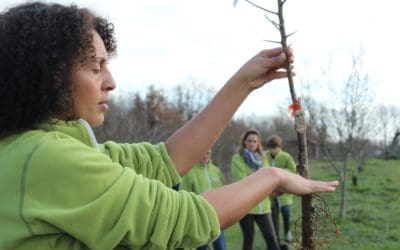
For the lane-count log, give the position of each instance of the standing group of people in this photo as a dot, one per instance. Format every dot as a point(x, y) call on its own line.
point(249, 158)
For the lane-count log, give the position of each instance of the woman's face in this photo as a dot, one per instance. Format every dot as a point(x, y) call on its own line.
point(92, 83)
point(251, 142)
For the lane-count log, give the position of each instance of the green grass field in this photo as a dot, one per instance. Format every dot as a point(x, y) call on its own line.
point(373, 210)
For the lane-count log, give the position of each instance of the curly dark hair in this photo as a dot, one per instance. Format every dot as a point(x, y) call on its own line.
point(40, 44)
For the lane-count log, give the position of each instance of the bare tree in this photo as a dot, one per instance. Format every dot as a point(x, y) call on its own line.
point(135, 119)
point(395, 145)
point(389, 117)
point(346, 123)
point(189, 98)
point(155, 116)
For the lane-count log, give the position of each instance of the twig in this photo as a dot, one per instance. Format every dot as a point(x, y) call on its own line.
point(273, 22)
point(261, 8)
point(278, 42)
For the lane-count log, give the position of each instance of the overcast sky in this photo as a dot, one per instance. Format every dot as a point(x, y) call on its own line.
point(167, 42)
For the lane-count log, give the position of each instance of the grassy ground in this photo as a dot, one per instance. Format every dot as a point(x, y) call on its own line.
point(373, 210)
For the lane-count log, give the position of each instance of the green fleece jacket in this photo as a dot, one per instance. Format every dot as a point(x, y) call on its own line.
point(241, 170)
point(202, 177)
point(59, 189)
point(285, 161)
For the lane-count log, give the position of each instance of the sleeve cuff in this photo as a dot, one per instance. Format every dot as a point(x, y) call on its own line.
point(213, 219)
point(175, 177)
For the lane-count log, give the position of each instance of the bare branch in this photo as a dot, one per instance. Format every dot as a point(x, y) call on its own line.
point(287, 36)
point(273, 22)
point(261, 8)
point(278, 42)
point(329, 159)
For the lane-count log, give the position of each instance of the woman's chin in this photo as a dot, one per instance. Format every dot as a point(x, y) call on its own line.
point(95, 122)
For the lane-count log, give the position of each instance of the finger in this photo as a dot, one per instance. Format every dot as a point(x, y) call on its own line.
point(276, 74)
point(333, 183)
point(276, 52)
point(271, 52)
point(275, 62)
point(290, 52)
point(282, 66)
point(324, 186)
point(291, 59)
point(279, 74)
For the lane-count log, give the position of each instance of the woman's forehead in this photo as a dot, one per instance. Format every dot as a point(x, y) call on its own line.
point(99, 46)
point(252, 136)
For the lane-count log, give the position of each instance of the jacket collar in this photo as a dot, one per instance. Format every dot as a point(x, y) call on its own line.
point(79, 129)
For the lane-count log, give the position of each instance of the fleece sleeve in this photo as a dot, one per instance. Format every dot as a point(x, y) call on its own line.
point(238, 168)
point(239, 171)
point(187, 182)
point(221, 176)
point(76, 192)
point(152, 161)
point(290, 164)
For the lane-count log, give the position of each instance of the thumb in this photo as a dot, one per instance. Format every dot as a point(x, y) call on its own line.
point(275, 61)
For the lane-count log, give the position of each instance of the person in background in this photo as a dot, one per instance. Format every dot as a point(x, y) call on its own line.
point(249, 159)
point(281, 159)
point(60, 189)
point(203, 177)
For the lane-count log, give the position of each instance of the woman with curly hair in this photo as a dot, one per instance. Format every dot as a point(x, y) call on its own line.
point(60, 189)
point(249, 159)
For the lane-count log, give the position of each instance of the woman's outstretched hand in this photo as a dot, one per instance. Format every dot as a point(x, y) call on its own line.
point(233, 201)
point(264, 67)
point(296, 184)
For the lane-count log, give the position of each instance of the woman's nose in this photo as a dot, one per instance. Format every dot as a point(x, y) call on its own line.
point(109, 83)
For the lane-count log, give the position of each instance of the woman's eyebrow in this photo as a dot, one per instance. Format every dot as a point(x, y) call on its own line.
point(101, 59)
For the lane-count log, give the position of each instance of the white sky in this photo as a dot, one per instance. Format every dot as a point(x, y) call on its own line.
point(166, 42)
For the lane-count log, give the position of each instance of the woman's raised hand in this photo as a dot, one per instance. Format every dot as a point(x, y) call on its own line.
point(264, 67)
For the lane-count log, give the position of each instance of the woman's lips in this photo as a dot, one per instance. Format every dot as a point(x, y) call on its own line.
point(104, 106)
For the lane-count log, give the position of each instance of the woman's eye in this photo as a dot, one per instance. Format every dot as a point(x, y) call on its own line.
point(96, 71)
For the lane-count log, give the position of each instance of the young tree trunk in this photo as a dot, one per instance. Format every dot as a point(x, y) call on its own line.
point(343, 176)
point(300, 127)
point(308, 213)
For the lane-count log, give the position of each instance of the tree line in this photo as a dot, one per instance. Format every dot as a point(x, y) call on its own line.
point(157, 114)
point(352, 130)
point(154, 116)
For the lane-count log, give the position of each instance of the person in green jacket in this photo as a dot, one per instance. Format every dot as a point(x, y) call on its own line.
point(281, 159)
point(250, 158)
point(203, 177)
point(60, 189)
